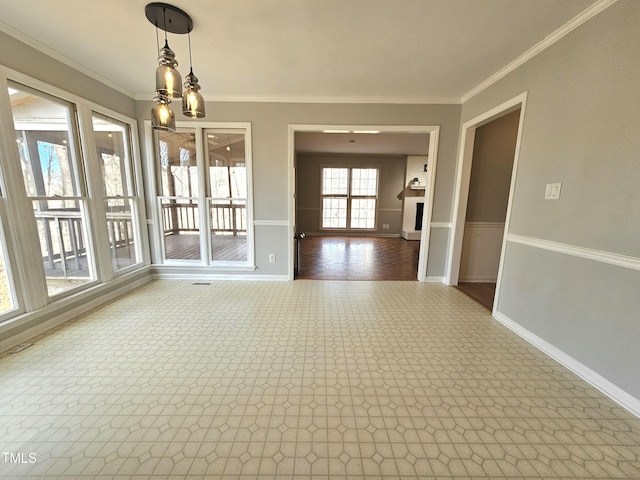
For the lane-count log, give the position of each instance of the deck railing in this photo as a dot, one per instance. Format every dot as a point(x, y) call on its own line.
point(63, 241)
point(226, 217)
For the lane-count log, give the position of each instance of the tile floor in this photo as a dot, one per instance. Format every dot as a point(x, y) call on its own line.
point(301, 380)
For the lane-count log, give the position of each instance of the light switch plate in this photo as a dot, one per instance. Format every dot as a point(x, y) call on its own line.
point(553, 191)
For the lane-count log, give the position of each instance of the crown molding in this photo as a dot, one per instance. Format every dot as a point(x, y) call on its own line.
point(567, 28)
point(320, 99)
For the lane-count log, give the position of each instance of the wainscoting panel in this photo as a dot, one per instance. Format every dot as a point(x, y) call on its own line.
point(481, 249)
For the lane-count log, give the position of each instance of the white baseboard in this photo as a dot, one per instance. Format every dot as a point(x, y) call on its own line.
point(411, 235)
point(615, 393)
point(434, 280)
point(222, 277)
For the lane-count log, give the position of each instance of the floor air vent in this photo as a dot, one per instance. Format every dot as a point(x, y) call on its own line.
point(201, 283)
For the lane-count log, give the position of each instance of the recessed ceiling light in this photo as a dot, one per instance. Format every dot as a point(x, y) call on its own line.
point(366, 131)
point(335, 131)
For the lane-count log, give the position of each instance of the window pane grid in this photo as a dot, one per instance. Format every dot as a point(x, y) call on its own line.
point(363, 213)
point(335, 181)
point(364, 182)
point(334, 212)
point(349, 197)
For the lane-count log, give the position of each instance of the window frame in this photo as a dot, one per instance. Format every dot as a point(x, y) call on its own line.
point(22, 245)
point(134, 185)
point(349, 196)
point(204, 198)
point(79, 163)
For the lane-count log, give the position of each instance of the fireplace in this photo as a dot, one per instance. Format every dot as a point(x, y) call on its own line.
point(419, 211)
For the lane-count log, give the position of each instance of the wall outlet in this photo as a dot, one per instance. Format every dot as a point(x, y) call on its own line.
point(385, 226)
point(272, 258)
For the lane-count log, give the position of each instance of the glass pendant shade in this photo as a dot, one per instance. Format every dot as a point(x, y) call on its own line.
point(192, 101)
point(168, 79)
point(162, 117)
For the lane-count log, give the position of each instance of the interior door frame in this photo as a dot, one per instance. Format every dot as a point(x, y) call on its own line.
point(434, 134)
point(463, 177)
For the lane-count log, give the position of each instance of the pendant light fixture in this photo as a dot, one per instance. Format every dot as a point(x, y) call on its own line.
point(168, 80)
point(192, 101)
point(162, 117)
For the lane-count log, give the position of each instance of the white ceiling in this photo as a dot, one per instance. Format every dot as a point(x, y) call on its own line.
point(418, 51)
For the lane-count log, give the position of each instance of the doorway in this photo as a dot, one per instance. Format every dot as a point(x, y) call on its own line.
point(366, 218)
point(486, 174)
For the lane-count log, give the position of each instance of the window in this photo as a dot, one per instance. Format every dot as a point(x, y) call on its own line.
point(205, 202)
point(349, 198)
point(179, 203)
point(121, 201)
point(54, 181)
point(228, 195)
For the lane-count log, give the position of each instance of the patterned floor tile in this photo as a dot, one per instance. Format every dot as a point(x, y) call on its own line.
point(305, 379)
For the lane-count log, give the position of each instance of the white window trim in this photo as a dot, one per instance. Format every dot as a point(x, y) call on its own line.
point(154, 198)
point(32, 294)
point(350, 197)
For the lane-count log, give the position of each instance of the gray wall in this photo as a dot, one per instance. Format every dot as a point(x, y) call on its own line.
point(29, 61)
point(270, 123)
point(390, 186)
point(493, 151)
point(580, 128)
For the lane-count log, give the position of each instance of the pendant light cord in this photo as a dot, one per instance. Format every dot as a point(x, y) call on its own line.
point(190, 60)
point(164, 20)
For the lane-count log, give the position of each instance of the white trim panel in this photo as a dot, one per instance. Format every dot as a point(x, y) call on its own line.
point(434, 279)
point(271, 223)
point(581, 252)
point(441, 225)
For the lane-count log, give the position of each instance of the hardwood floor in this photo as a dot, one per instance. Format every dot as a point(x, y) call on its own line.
point(358, 258)
point(483, 293)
